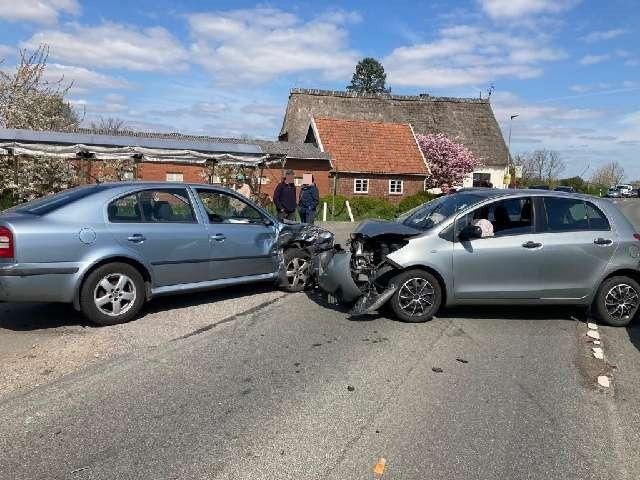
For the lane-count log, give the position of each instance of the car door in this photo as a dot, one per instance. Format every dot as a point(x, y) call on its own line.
point(505, 264)
point(578, 245)
point(160, 224)
point(242, 239)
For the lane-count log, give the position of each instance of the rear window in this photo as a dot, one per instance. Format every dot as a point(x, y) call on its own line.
point(45, 205)
point(568, 214)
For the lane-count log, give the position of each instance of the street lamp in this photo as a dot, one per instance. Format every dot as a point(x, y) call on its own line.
point(511, 117)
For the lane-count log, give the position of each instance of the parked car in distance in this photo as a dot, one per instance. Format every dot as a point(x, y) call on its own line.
point(109, 248)
point(505, 247)
point(625, 190)
point(564, 188)
point(538, 187)
point(613, 192)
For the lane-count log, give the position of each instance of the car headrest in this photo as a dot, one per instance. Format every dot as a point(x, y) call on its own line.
point(162, 211)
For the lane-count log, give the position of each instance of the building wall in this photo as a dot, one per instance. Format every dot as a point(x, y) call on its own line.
point(379, 185)
point(158, 171)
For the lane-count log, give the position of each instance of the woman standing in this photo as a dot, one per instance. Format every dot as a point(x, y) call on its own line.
point(309, 199)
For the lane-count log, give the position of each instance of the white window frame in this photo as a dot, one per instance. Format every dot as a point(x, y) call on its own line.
point(174, 176)
point(365, 181)
point(401, 186)
point(297, 181)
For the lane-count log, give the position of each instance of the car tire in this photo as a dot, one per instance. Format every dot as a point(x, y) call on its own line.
point(617, 301)
point(297, 262)
point(113, 293)
point(418, 296)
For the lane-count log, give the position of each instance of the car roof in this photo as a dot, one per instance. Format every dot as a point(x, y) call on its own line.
point(162, 184)
point(520, 192)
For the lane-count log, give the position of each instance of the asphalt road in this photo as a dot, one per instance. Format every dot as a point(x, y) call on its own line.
point(296, 390)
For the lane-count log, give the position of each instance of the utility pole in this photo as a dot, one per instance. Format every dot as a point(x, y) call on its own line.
point(509, 163)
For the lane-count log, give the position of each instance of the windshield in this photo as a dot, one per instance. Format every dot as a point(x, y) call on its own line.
point(44, 205)
point(432, 213)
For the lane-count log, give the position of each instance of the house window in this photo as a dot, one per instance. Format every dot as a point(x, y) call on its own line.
point(297, 181)
point(481, 179)
point(361, 185)
point(175, 177)
point(396, 187)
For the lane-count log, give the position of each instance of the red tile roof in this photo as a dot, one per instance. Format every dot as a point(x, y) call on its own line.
point(370, 147)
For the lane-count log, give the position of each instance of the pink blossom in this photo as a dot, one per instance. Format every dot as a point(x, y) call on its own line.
point(449, 162)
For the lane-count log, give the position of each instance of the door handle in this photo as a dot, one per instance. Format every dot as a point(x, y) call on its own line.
point(218, 237)
point(531, 244)
point(137, 238)
point(603, 241)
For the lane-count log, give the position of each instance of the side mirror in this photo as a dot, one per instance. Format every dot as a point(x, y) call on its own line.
point(470, 232)
point(267, 221)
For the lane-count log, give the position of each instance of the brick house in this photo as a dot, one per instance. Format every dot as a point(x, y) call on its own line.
point(368, 158)
point(469, 121)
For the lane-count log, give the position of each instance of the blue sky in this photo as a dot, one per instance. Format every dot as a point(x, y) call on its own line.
point(569, 68)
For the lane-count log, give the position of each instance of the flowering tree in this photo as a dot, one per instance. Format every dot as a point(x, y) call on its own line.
point(27, 177)
point(115, 170)
point(449, 162)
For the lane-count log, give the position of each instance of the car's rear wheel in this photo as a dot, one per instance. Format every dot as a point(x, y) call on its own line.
point(297, 268)
point(617, 301)
point(418, 296)
point(113, 293)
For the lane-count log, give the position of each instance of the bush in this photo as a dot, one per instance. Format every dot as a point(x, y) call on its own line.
point(6, 201)
point(414, 200)
point(368, 207)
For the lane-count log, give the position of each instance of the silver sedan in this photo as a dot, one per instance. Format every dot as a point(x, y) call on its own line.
point(108, 248)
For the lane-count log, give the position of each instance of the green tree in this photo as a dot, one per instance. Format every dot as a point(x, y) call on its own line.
point(369, 77)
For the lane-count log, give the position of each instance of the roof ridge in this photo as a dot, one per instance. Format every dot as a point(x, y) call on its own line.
point(361, 120)
point(424, 97)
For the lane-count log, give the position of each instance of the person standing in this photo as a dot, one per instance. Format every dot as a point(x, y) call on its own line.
point(284, 197)
point(309, 199)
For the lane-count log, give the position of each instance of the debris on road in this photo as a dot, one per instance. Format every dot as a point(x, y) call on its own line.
point(378, 470)
point(598, 353)
point(437, 369)
point(593, 334)
point(592, 326)
point(604, 381)
point(462, 360)
point(350, 388)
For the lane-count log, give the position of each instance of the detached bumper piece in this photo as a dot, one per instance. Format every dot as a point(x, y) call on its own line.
point(372, 302)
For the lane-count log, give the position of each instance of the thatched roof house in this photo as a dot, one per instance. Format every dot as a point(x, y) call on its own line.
point(469, 120)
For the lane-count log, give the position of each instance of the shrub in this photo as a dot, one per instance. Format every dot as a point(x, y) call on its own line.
point(368, 207)
point(413, 201)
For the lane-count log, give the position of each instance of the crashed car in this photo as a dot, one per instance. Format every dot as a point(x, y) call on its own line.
point(108, 248)
point(491, 246)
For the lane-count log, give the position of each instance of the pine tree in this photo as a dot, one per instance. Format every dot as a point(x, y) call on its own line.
point(369, 77)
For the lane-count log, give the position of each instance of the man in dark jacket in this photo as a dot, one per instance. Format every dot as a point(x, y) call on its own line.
point(284, 197)
point(309, 199)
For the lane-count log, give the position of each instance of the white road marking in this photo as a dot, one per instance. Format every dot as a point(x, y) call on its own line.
point(604, 381)
point(593, 334)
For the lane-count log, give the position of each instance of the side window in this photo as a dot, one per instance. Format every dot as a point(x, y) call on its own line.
point(513, 216)
point(224, 208)
point(597, 219)
point(565, 214)
point(125, 210)
point(153, 206)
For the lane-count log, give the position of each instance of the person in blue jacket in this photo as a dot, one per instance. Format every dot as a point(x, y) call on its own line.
point(308, 202)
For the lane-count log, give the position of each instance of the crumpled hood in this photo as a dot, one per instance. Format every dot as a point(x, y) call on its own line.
point(376, 228)
point(305, 233)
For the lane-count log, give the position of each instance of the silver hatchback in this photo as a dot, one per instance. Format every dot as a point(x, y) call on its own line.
point(489, 246)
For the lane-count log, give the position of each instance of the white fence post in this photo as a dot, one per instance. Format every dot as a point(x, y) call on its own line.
point(324, 212)
point(349, 210)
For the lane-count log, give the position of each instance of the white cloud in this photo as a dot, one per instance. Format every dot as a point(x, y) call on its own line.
point(468, 55)
point(515, 9)
point(38, 11)
point(112, 45)
point(256, 46)
point(601, 35)
point(594, 59)
point(5, 51)
point(82, 78)
point(602, 88)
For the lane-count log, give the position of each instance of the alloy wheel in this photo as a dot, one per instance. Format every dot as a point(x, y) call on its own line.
point(416, 296)
point(622, 301)
point(115, 294)
point(298, 272)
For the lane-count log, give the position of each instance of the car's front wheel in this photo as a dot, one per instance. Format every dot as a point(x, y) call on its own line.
point(418, 296)
point(617, 301)
point(112, 294)
point(297, 263)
